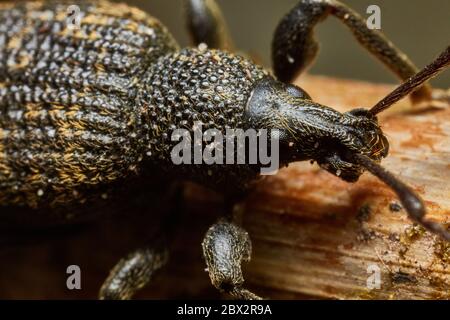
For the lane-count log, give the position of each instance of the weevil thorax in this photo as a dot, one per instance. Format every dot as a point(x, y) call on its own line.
point(197, 86)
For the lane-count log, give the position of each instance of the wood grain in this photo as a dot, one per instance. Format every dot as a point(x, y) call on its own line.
point(314, 236)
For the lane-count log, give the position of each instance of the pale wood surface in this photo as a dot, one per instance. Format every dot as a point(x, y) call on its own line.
point(314, 236)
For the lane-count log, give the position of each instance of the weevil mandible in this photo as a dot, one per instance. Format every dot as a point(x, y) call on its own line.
point(86, 115)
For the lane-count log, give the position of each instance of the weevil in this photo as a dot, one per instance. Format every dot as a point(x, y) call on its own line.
point(87, 112)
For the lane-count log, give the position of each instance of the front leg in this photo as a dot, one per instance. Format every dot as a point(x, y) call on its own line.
point(133, 272)
point(206, 24)
point(294, 47)
point(225, 247)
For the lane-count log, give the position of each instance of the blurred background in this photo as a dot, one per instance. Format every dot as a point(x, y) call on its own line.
point(421, 28)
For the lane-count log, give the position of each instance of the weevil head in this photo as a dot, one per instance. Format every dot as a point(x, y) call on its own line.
point(308, 130)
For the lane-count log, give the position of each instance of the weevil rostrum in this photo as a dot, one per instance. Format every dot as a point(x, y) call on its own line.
point(87, 114)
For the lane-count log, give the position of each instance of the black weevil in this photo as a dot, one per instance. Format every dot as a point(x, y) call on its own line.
point(87, 112)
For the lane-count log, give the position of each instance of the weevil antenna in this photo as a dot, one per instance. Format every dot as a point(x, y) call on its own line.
point(413, 83)
point(409, 199)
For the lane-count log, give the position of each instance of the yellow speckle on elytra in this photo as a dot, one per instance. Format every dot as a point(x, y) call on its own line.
point(4, 168)
point(14, 43)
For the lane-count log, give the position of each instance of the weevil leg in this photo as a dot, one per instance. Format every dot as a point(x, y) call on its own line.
point(294, 47)
point(135, 271)
point(206, 24)
point(225, 247)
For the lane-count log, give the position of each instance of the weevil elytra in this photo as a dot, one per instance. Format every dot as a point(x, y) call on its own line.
point(86, 115)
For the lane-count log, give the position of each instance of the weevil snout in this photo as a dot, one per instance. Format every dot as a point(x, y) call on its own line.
point(358, 132)
point(375, 144)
